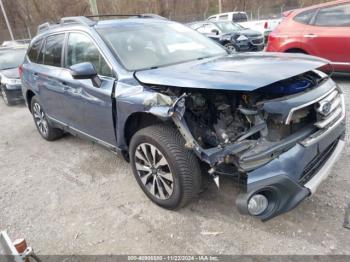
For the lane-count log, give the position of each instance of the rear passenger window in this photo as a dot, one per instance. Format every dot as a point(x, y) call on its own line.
point(34, 51)
point(81, 49)
point(53, 50)
point(335, 16)
point(305, 17)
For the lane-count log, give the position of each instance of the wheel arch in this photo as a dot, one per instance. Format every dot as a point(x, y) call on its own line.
point(137, 121)
point(296, 50)
point(29, 95)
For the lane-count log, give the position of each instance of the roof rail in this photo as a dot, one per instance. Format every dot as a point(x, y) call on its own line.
point(43, 27)
point(85, 20)
point(77, 20)
point(155, 16)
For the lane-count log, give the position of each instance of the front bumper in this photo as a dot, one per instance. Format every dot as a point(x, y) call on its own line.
point(295, 174)
point(250, 45)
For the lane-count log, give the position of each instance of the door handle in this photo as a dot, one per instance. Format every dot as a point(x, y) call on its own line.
point(310, 35)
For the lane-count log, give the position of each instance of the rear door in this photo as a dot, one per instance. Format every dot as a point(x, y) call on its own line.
point(329, 33)
point(88, 108)
point(45, 75)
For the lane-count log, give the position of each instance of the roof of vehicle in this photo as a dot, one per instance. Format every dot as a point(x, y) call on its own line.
point(88, 21)
point(228, 13)
point(297, 11)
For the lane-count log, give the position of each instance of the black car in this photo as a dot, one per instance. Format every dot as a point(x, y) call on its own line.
point(231, 35)
point(178, 106)
point(10, 83)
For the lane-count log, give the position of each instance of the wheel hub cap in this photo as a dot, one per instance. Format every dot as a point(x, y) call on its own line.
point(154, 171)
point(40, 119)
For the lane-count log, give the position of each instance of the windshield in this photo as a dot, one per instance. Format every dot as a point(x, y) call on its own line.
point(11, 58)
point(228, 27)
point(149, 45)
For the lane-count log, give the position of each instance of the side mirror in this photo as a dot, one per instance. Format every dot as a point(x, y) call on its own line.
point(215, 32)
point(85, 70)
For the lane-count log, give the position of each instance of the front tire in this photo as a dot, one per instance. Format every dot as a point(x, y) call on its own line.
point(231, 47)
point(167, 172)
point(46, 130)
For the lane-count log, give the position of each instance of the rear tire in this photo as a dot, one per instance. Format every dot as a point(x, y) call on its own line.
point(46, 130)
point(167, 172)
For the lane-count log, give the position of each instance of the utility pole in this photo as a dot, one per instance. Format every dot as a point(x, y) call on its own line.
point(6, 19)
point(93, 7)
point(220, 6)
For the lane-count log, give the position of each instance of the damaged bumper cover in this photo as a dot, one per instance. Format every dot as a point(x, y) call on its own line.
point(287, 171)
point(294, 175)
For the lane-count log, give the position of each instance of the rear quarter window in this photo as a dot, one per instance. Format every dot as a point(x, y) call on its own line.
point(34, 51)
point(334, 16)
point(240, 17)
point(305, 17)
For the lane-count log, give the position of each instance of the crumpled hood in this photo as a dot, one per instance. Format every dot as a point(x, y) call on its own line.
point(239, 72)
point(10, 73)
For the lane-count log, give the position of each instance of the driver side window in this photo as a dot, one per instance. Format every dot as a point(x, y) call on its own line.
point(80, 49)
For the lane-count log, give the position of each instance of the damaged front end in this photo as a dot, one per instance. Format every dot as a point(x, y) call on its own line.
point(275, 140)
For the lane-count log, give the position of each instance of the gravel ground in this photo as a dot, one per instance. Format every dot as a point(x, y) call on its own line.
point(75, 197)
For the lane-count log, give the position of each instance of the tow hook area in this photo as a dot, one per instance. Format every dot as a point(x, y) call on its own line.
point(270, 197)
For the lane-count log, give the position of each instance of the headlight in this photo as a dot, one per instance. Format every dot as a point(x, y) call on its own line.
point(10, 81)
point(242, 38)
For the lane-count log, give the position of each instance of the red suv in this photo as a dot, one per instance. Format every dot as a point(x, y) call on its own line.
point(321, 30)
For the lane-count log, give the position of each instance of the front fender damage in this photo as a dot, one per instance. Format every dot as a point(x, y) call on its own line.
point(164, 108)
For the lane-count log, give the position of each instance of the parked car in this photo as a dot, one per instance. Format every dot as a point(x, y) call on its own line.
point(321, 30)
point(178, 106)
point(265, 26)
point(10, 83)
point(233, 36)
point(15, 43)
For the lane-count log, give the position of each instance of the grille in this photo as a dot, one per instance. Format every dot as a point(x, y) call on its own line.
point(316, 164)
point(329, 109)
point(257, 41)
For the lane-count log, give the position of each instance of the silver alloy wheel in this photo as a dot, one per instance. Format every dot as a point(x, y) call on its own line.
point(40, 119)
point(4, 96)
point(154, 171)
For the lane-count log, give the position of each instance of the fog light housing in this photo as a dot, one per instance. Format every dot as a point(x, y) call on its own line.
point(257, 204)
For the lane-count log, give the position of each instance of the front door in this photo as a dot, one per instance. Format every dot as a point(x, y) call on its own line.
point(88, 108)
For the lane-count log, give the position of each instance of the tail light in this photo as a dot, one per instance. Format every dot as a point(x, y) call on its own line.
point(20, 70)
point(266, 25)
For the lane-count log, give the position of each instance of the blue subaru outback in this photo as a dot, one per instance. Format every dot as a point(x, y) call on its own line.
point(178, 106)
